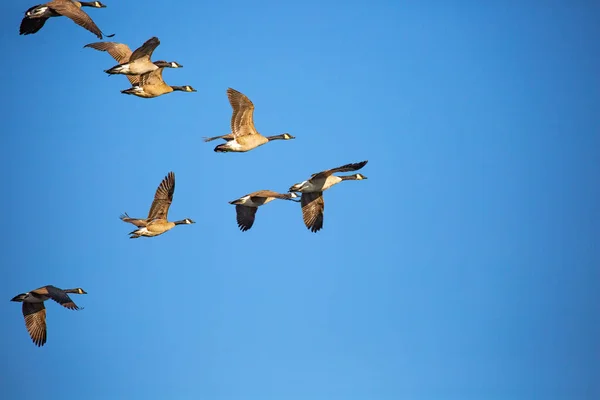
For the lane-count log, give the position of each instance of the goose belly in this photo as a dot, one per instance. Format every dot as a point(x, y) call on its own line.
point(138, 68)
point(311, 187)
point(145, 232)
point(233, 145)
point(155, 90)
point(158, 228)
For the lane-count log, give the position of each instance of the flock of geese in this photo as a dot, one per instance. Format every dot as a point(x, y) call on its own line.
point(146, 81)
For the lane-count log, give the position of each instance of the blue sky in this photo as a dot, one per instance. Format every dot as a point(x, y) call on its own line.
point(465, 267)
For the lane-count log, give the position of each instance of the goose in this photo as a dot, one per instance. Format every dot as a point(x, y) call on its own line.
point(243, 136)
point(133, 63)
point(246, 206)
point(152, 85)
point(34, 310)
point(312, 190)
point(36, 16)
point(156, 223)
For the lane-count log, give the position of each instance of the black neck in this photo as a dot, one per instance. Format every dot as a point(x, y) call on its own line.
point(348, 177)
point(276, 137)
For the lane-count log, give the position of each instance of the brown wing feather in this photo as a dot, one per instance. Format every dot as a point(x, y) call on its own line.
point(242, 122)
point(35, 322)
point(227, 137)
point(80, 17)
point(146, 49)
point(343, 168)
point(162, 198)
point(245, 216)
point(119, 51)
point(140, 223)
point(313, 206)
point(152, 78)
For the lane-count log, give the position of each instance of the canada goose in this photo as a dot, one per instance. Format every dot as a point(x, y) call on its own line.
point(152, 85)
point(133, 63)
point(246, 206)
point(156, 223)
point(34, 310)
point(36, 16)
point(312, 190)
point(243, 136)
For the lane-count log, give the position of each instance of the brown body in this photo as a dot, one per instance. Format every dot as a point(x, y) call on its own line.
point(152, 85)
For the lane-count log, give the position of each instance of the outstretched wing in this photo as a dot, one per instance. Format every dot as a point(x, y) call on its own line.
point(242, 122)
point(80, 17)
point(343, 168)
point(245, 216)
point(35, 322)
point(146, 49)
point(162, 198)
point(152, 78)
point(313, 206)
point(31, 25)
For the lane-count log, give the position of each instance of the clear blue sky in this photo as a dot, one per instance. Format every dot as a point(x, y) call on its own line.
point(465, 267)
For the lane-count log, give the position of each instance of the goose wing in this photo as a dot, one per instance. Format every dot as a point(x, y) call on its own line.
point(80, 17)
point(343, 168)
point(242, 122)
point(152, 78)
point(146, 49)
point(162, 198)
point(313, 206)
point(245, 216)
point(35, 321)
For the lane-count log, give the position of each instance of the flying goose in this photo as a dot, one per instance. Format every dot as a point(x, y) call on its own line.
point(133, 63)
point(312, 190)
point(36, 16)
point(152, 85)
point(246, 206)
point(34, 310)
point(156, 223)
point(243, 136)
